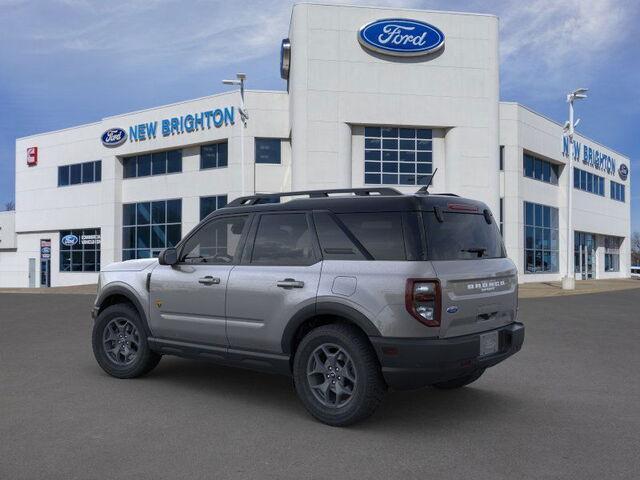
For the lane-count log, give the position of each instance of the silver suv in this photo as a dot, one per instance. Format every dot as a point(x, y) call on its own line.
point(347, 291)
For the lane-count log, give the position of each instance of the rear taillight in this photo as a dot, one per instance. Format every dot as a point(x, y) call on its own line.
point(422, 299)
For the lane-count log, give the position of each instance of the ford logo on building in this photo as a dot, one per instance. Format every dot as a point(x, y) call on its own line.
point(114, 137)
point(623, 171)
point(69, 240)
point(401, 37)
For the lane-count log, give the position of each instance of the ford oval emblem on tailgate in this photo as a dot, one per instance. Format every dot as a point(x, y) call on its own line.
point(452, 309)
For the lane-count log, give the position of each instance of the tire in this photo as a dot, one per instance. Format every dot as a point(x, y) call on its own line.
point(131, 356)
point(360, 382)
point(460, 381)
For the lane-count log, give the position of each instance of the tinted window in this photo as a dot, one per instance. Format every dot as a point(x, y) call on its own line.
point(267, 150)
point(211, 204)
point(379, 233)
point(213, 156)
point(215, 243)
point(87, 172)
point(148, 227)
point(334, 242)
point(63, 176)
point(283, 240)
point(462, 236)
point(76, 174)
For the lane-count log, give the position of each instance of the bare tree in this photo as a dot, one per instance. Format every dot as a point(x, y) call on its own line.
point(635, 248)
point(11, 205)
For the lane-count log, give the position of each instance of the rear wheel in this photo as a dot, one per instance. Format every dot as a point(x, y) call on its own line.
point(460, 381)
point(337, 375)
point(120, 343)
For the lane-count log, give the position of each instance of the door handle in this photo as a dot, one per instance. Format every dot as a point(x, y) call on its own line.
point(290, 283)
point(209, 280)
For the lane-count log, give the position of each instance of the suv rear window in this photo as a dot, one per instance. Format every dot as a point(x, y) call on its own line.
point(462, 236)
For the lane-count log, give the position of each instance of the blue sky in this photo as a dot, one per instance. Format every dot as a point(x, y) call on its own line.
point(67, 62)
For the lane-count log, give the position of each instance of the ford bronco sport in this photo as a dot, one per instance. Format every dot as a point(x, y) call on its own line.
point(348, 291)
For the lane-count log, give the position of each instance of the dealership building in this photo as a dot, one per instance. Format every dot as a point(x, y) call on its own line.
point(374, 97)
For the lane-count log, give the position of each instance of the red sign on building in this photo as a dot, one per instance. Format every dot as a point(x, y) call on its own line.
point(32, 156)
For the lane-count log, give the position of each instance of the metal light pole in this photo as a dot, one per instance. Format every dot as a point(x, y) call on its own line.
point(244, 116)
point(569, 281)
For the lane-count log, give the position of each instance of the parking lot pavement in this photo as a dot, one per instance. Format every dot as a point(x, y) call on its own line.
point(566, 406)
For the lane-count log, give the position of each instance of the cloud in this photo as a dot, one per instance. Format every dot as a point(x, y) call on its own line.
point(545, 42)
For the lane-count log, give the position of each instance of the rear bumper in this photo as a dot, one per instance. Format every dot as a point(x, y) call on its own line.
point(413, 363)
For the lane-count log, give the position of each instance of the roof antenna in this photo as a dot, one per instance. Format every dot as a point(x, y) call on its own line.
point(425, 190)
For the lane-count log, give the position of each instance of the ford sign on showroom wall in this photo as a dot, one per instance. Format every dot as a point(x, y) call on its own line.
point(401, 37)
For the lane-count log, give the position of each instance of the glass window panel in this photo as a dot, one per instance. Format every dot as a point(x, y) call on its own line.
point(371, 179)
point(372, 131)
point(143, 216)
point(389, 155)
point(390, 144)
point(222, 201)
point(390, 179)
point(407, 144)
point(158, 236)
point(173, 235)
point(128, 237)
point(546, 171)
point(129, 214)
point(158, 212)
point(538, 217)
point(143, 237)
point(529, 263)
point(546, 222)
point(372, 143)
point(174, 161)
point(538, 238)
point(143, 253)
point(424, 167)
point(98, 171)
point(283, 240)
point(424, 133)
point(423, 156)
point(407, 179)
point(144, 165)
point(174, 211)
point(267, 150)
point(381, 235)
point(389, 132)
point(372, 167)
point(222, 154)
point(208, 156)
point(407, 167)
point(129, 167)
point(407, 133)
point(389, 167)
point(422, 179)
point(528, 237)
point(75, 174)
point(87, 172)
point(63, 176)
point(423, 144)
point(537, 169)
point(407, 156)
point(159, 163)
point(128, 255)
point(372, 154)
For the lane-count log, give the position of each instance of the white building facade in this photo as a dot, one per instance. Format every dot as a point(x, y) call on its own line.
point(356, 113)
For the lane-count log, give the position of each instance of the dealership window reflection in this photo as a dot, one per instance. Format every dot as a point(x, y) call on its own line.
point(397, 156)
point(149, 227)
point(80, 250)
point(541, 238)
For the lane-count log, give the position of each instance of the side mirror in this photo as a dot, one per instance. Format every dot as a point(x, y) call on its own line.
point(168, 256)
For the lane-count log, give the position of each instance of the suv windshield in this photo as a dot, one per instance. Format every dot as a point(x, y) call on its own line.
point(462, 236)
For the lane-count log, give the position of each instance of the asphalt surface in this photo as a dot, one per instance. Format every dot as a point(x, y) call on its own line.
point(566, 406)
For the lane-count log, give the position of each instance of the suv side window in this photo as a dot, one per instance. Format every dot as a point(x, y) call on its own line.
point(334, 242)
point(216, 243)
point(284, 240)
point(381, 233)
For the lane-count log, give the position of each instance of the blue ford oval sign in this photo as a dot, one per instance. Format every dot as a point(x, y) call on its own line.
point(114, 137)
point(69, 240)
point(623, 171)
point(401, 37)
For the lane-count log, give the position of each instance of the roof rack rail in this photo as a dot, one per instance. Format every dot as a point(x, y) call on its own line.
point(270, 197)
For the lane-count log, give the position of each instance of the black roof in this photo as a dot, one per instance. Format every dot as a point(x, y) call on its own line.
point(339, 201)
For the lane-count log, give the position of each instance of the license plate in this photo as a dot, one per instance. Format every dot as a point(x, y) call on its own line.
point(488, 343)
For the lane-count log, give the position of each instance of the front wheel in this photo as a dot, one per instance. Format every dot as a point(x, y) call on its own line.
point(460, 381)
point(337, 375)
point(120, 343)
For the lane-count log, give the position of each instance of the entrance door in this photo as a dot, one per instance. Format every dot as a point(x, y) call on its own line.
point(584, 253)
point(45, 273)
point(32, 273)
